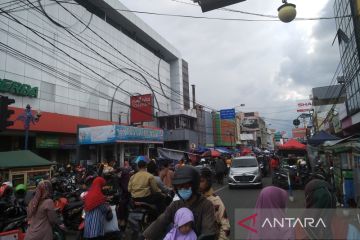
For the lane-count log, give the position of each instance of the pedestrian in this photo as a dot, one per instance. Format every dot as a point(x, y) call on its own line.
point(182, 229)
point(96, 209)
point(271, 204)
point(166, 175)
point(180, 164)
point(41, 214)
point(222, 221)
point(318, 196)
point(220, 169)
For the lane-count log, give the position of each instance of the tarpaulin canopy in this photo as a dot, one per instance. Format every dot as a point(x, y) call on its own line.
point(212, 153)
point(22, 159)
point(223, 150)
point(321, 137)
point(292, 144)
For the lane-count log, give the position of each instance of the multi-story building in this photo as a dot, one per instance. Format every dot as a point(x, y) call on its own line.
point(79, 63)
point(348, 33)
point(251, 129)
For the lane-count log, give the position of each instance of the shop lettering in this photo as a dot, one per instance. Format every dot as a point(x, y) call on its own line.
point(17, 88)
point(292, 222)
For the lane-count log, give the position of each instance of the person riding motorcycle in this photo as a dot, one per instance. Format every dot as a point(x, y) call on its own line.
point(143, 188)
point(220, 211)
point(186, 184)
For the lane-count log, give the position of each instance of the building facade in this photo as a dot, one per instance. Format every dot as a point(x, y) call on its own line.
point(79, 63)
point(348, 33)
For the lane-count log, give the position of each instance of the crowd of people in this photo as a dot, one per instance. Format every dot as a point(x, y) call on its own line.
point(194, 212)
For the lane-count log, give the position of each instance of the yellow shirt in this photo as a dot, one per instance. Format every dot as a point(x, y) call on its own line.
point(142, 184)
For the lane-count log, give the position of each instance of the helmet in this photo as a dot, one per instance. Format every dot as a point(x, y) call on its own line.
point(21, 187)
point(187, 174)
point(207, 174)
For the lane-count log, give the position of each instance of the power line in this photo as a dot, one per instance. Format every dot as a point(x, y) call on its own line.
point(217, 18)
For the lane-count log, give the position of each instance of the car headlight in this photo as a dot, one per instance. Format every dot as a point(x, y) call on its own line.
point(255, 172)
point(231, 173)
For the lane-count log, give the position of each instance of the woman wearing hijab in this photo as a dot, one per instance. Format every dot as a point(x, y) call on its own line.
point(271, 204)
point(182, 229)
point(319, 198)
point(41, 213)
point(96, 209)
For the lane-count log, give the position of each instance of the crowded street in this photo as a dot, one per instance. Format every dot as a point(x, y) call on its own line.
point(179, 119)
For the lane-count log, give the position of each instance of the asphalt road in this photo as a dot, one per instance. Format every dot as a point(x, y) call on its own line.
point(243, 197)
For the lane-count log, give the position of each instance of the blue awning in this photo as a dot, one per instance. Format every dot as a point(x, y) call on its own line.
point(223, 150)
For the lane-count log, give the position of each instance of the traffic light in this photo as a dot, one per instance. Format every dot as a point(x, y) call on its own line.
point(5, 112)
point(208, 5)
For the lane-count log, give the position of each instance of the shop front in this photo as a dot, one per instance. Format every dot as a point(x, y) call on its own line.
point(117, 142)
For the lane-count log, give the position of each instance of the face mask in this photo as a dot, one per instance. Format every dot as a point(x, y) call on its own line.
point(185, 193)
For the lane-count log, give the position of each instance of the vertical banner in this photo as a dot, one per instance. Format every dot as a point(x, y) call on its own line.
point(227, 126)
point(141, 108)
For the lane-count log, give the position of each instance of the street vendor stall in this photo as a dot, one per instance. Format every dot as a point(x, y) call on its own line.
point(344, 156)
point(24, 167)
point(292, 148)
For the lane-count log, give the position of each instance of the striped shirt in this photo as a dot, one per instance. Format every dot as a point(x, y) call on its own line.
point(94, 222)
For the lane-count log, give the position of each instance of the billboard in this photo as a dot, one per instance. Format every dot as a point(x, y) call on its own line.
point(141, 108)
point(304, 106)
point(119, 133)
point(250, 123)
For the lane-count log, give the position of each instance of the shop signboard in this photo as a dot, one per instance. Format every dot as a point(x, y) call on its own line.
point(16, 88)
point(141, 108)
point(299, 133)
point(119, 133)
point(304, 106)
point(136, 134)
point(100, 134)
point(47, 142)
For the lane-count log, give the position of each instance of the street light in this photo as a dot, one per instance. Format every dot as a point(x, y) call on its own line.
point(27, 117)
point(287, 12)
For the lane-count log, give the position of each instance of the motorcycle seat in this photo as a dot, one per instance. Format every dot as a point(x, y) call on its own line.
point(145, 204)
point(73, 205)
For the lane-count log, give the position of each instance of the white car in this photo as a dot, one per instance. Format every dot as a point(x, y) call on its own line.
point(244, 171)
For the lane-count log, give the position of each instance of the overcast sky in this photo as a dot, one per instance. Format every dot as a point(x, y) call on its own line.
point(267, 66)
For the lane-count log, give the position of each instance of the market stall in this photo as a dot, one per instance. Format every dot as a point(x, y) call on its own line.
point(24, 167)
point(344, 156)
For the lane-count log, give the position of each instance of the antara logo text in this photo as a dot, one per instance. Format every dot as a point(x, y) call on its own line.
point(292, 222)
point(280, 223)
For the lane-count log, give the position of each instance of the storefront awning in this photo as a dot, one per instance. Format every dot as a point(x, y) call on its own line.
point(21, 159)
point(120, 133)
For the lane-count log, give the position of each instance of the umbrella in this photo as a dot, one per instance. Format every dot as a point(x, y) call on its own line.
point(141, 158)
point(211, 153)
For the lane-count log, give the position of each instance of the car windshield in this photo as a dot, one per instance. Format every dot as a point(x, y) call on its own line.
point(244, 162)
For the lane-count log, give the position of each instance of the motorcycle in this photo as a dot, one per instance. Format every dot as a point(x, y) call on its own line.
point(141, 215)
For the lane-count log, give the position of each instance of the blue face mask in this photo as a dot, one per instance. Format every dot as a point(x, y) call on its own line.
point(185, 193)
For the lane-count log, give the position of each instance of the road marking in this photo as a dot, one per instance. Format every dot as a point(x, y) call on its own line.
point(219, 189)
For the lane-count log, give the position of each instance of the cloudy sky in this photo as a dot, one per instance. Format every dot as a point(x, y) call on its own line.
point(267, 66)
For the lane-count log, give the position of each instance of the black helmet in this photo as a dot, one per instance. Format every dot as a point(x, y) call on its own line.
point(187, 174)
point(206, 173)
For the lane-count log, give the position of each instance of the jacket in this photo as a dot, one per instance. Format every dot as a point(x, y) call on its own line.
point(204, 216)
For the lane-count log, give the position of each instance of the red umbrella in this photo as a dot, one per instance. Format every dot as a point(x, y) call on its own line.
point(211, 153)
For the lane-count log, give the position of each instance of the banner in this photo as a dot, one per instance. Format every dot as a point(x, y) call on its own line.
point(119, 133)
point(304, 106)
point(141, 108)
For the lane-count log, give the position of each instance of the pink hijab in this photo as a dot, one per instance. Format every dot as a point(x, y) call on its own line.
point(182, 216)
point(271, 203)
